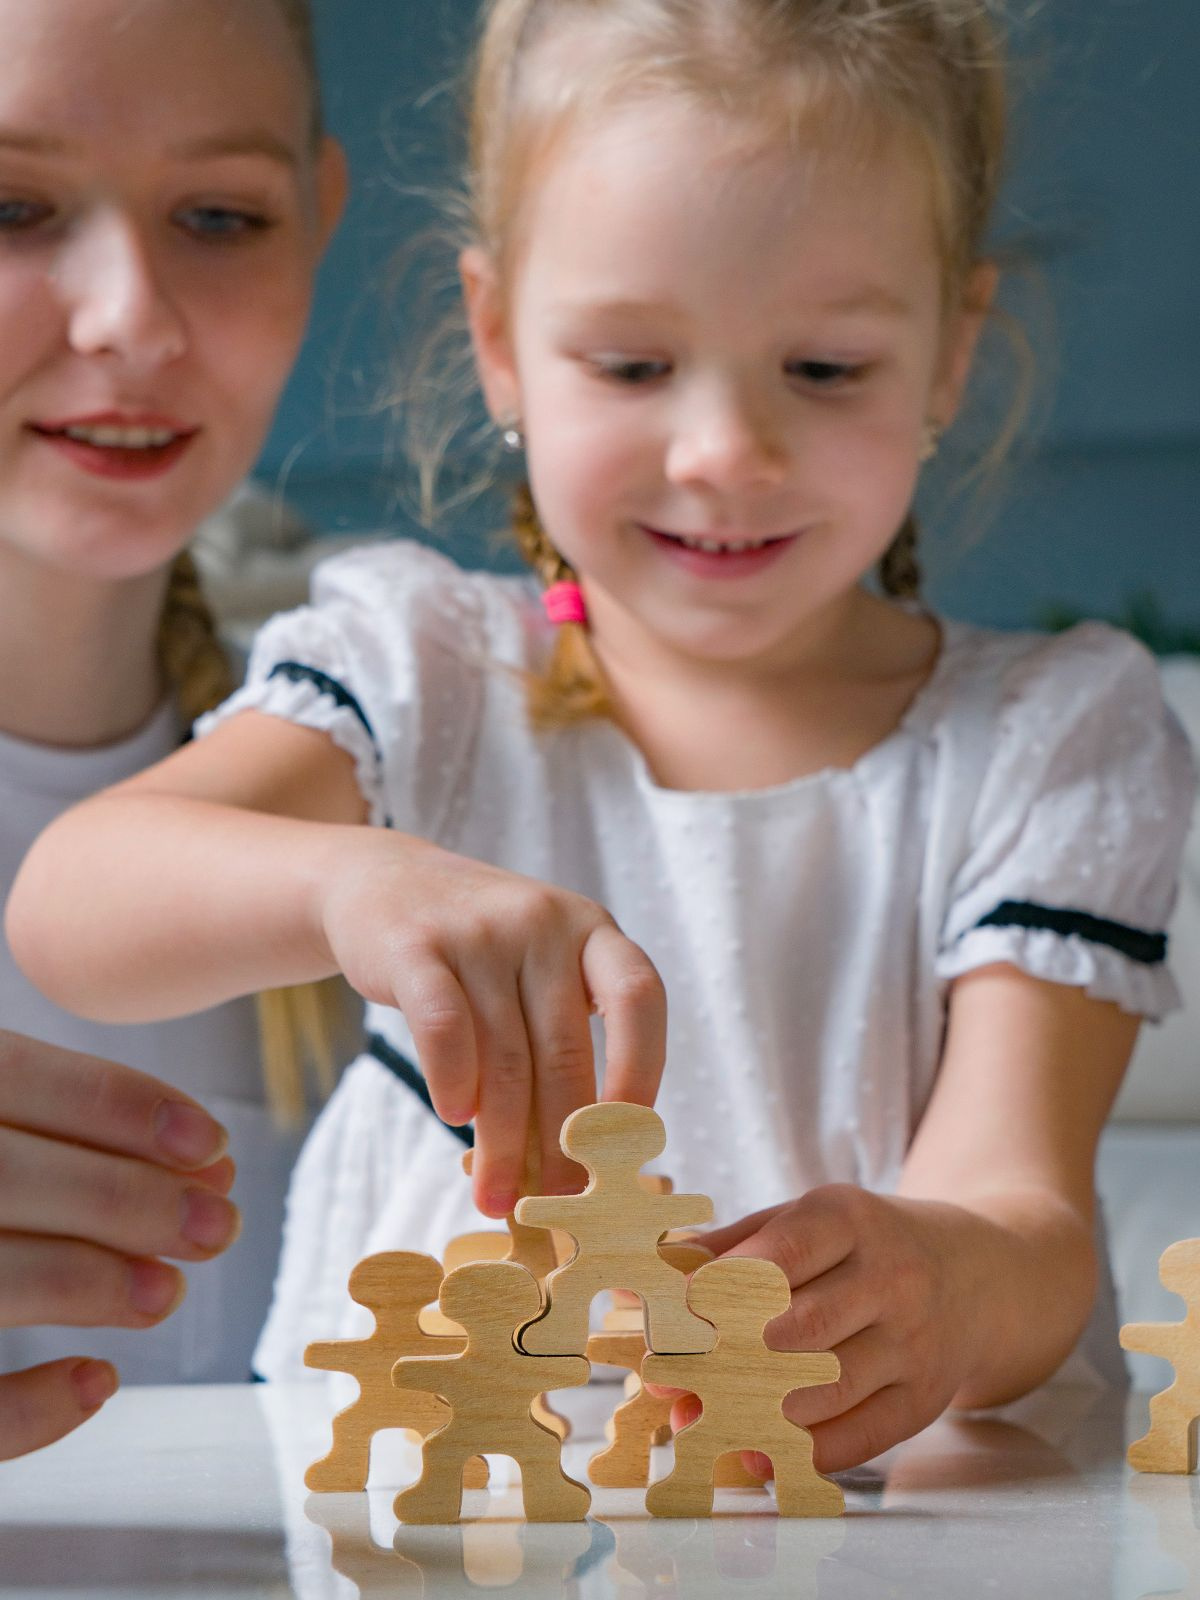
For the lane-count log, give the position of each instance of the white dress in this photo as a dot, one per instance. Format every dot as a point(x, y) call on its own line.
point(1030, 808)
point(212, 1056)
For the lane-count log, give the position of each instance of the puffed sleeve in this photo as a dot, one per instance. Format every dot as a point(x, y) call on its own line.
point(1077, 835)
point(388, 660)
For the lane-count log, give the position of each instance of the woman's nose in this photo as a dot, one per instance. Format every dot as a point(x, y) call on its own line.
point(115, 302)
point(727, 441)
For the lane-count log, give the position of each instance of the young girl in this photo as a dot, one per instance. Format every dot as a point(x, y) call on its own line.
point(902, 881)
point(165, 194)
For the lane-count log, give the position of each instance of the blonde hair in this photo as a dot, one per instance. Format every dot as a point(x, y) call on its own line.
point(297, 1026)
point(935, 68)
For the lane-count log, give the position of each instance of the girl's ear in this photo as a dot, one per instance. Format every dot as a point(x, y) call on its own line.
point(333, 183)
point(490, 336)
point(962, 335)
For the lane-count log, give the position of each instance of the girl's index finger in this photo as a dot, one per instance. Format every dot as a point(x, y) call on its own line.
point(805, 1237)
point(628, 994)
point(61, 1094)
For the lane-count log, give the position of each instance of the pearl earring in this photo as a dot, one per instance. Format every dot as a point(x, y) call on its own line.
point(513, 438)
point(931, 438)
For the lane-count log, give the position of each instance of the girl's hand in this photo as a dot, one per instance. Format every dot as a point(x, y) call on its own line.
point(884, 1284)
point(497, 976)
point(103, 1170)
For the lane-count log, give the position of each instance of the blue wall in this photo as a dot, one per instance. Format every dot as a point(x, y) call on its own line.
point(1103, 201)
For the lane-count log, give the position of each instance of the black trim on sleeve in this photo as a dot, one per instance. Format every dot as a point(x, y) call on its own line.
point(401, 1067)
point(1147, 948)
point(298, 672)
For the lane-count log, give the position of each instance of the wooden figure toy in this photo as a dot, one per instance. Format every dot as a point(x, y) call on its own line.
point(641, 1422)
point(1170, 1446)
point(393, 1285)
point(490, 1388)
point(617, 1226)
point(741, 1385)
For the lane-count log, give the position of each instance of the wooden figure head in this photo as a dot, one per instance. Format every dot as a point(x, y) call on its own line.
point(1178, 1267)
point(739, 1290)
point(614, 1134)
point(491, 1294)
point(393, 1276)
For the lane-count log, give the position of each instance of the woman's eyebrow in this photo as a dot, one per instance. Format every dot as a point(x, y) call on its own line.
point(251, 142)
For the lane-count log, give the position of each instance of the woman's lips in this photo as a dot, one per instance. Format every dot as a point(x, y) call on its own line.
point(121, 448)
point(735, 559)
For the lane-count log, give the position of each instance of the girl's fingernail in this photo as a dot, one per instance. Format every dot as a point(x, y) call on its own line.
point(154, 1289)
point(188, 1134)
point(95, 1382)
point(501, 1201)
point(209, 1220)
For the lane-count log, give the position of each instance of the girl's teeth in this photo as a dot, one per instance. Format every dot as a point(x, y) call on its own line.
point(122, 438)
point(715, 547)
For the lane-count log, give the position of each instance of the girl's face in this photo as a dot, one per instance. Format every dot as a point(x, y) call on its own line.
point(162, 214)
point(724, 354)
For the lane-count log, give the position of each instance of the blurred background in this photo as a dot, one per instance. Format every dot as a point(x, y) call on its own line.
point(1097, 513)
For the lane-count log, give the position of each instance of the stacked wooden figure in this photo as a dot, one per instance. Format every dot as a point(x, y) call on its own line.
point(472, 1381)
point(1170, 1446)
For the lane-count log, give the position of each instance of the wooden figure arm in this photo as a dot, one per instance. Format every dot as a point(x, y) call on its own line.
point(557, 1372)
point(672, 1372)
point(682, 1210)
point(422, 1373)
point(546, 1210)
point(1148, 1338)
point(330, 1355)
point(811, 1368)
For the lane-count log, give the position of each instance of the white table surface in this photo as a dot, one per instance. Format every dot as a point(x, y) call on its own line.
point(188, 1492)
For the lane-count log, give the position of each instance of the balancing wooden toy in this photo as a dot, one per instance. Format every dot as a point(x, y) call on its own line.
point(1170, 1446)
point(393, 1285)
point(490, 1389)
point(741, 1385)
point(617, 1226)
point(477, 1390)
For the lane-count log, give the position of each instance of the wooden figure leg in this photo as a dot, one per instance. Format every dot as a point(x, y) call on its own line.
point(344, 1470)
point(549, 1495)
point(545, 1413)
point(800, 1490)
point(636, 1426)
point(730, 1473)
point(437, 1494)
point(1170, 1446)
point(563, 1329)
point(673, 1328)
point(688, 1490)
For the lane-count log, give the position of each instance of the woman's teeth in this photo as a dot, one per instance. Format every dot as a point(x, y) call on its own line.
point(111, 438)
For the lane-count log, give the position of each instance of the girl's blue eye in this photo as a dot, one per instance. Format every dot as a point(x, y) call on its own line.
point(630, 372)
point(822, 374)
point(18, 215)
point(221, 222)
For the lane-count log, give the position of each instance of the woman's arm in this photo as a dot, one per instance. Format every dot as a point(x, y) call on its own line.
point(973, 1282)
point(242, 863)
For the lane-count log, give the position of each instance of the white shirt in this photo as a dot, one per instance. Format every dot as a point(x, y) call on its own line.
point(807, 933)
point(212, 1056)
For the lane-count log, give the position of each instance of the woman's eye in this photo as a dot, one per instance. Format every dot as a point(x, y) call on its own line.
point(631, 371)
point(221, 222)
point(17, 216)
point(823, 374)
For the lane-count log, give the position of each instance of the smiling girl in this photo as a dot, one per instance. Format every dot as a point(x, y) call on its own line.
point(902, 881)
point(165, 196)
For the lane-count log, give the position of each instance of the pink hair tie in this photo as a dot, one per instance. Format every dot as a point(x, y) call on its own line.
point(564, 603)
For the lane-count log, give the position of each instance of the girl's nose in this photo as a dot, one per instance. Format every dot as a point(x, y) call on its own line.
point(727, 442)
point(115, 302)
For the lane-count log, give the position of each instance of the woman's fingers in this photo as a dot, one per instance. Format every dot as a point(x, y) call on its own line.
point(51, 1187)
point(64, 1095)
point(626, 990)
point(70, 1283)
point(45, 1403)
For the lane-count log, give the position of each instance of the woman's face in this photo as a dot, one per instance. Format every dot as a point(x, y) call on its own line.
point(162, 214)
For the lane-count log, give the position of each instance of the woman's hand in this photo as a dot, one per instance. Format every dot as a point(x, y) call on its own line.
point(889, 1286)
point(497, 976)
point(103, 1171)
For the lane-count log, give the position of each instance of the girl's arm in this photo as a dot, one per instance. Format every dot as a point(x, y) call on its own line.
point(971, 1285)
point(242, 863)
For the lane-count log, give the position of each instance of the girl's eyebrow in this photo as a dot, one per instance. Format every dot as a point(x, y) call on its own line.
point(252, 142)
